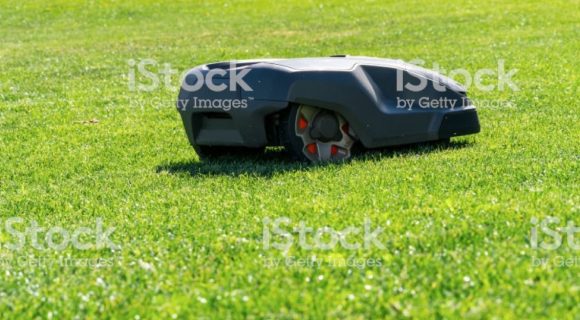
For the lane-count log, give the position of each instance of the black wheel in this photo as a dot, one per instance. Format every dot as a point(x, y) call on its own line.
point(315, 135)
point(212, 152)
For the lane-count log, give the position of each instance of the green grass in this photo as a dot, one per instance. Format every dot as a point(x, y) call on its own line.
point(456, 219)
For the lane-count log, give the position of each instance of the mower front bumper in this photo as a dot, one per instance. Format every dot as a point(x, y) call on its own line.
point(459, 123)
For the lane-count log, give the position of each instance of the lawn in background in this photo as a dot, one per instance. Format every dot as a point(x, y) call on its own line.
point(77, 145)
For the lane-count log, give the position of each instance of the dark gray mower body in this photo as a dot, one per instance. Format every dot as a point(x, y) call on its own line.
point(227, 111)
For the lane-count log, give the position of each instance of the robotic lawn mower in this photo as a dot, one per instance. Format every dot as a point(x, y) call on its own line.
point(319, 108)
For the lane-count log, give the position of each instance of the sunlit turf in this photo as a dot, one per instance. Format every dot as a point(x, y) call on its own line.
point(76, 144)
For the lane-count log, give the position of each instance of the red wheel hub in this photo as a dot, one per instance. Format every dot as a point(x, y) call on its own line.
point(312, 148)
point(302, 123)
point(333, 150)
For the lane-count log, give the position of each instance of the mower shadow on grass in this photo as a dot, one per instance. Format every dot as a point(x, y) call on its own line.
point(410, 150)
point(273, 161)
point(276, 160)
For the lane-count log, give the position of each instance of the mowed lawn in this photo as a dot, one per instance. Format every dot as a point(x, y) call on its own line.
point(77, 145)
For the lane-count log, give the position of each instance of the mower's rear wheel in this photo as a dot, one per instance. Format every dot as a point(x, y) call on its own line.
point(315, 135)
point(213, 152)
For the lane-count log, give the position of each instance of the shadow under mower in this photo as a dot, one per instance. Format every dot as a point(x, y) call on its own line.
point(319, 108)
